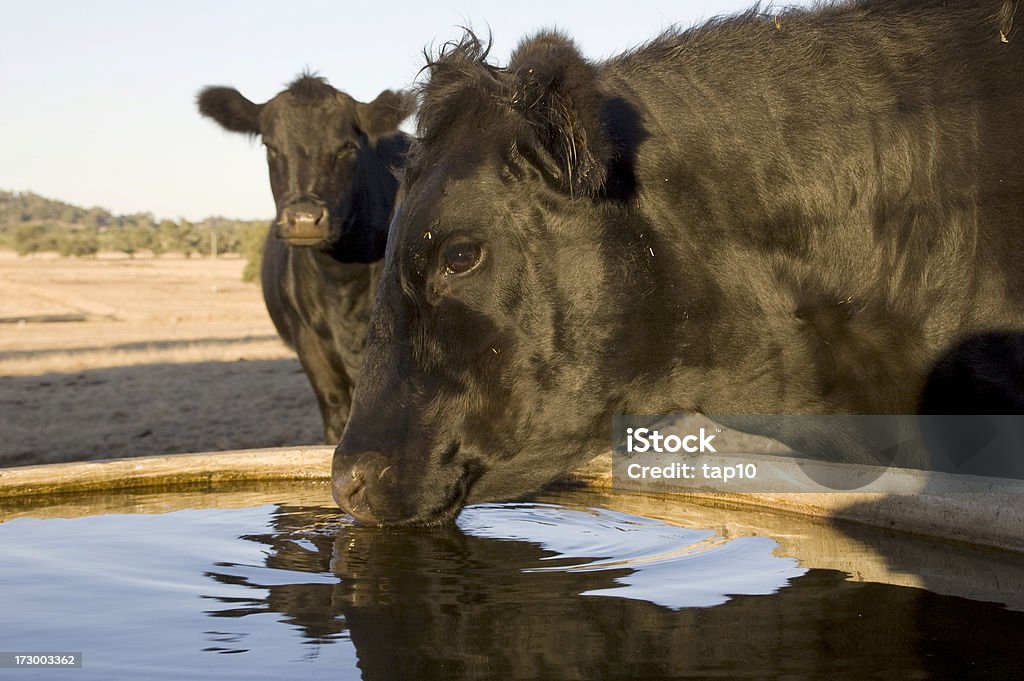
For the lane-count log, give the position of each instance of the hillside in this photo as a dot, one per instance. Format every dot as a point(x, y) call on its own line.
point(30, 223)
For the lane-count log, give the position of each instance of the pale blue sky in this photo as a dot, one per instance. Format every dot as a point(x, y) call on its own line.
point(97, 98)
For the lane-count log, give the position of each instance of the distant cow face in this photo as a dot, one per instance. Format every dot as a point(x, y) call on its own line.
point(316, 137)
point(482, 377)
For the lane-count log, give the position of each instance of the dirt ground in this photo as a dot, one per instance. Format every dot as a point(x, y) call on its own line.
point(116, 357)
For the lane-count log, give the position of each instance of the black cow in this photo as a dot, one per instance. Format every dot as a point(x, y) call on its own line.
point(331, 160)
point(790, 214)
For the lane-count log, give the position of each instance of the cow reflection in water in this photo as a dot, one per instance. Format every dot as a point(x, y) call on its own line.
point(439, 603)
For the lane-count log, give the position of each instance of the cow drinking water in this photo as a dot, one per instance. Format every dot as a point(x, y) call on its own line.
point(762, 215)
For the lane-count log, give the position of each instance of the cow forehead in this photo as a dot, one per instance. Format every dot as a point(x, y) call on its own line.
point(457, 195)
point(286, 116)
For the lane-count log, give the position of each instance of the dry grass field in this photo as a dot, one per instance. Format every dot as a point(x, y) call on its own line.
point(114, 357)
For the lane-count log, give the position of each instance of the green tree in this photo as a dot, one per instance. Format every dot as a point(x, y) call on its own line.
point(34, 238)
point(31, 223)
point(251, 238)
point(167, 237)
point(137, 237)
point(97, 217)
point(79, 243)
point(189, 239)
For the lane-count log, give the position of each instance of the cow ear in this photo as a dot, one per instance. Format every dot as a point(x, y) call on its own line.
point(384, 114)
point(557, 90)
point(227, 106)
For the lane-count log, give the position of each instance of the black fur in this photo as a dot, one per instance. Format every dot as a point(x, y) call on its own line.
point(792, 214)
point(331, 162)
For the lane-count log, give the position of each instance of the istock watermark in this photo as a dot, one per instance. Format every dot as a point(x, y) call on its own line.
point(781, 454)
point(647, 440)
point(683, 471)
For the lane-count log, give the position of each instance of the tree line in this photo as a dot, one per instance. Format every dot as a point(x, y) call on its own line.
point(30, 223)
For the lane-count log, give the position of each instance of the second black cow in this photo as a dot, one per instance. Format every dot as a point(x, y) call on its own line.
point(331, 162)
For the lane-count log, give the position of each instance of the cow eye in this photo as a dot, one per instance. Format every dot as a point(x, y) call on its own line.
point(346, 149)
point(461, 255)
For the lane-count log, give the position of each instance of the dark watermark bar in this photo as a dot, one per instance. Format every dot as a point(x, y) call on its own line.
point(783, 454)
point(40, 660)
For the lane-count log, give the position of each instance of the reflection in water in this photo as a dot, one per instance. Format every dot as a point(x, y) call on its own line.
point(667, 565)
point(499, 597)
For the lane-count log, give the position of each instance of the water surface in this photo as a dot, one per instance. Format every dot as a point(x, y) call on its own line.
point(554, 590)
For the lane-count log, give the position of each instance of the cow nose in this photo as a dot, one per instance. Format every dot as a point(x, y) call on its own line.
point(350, 485)
point(304, 221)
point(305, 214)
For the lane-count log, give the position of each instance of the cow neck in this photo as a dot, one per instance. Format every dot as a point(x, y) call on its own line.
point(370, 204)
point(330, 261)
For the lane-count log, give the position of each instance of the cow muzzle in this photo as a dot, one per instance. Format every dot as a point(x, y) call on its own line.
point(375, 492)
point(351, 486)
point(304, 223)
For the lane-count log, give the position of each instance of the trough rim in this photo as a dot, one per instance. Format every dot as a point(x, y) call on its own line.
point(992, 520)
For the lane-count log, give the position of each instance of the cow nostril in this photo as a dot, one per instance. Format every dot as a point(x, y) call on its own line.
point(348, 491)
point(322, 217)
point(351, 482)
point(350, 485)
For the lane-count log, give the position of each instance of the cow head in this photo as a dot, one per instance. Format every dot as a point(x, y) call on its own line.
point(317, 139)
point(483, 377)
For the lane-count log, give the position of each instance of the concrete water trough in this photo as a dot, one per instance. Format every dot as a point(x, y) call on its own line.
point(230, 558)
point(971, 509)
